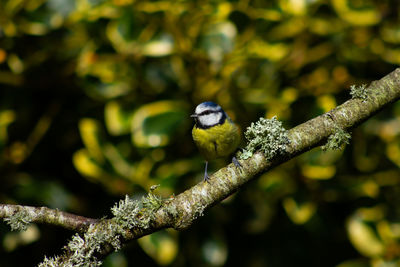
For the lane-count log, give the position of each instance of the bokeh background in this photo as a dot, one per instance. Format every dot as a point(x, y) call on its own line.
point(95, 98)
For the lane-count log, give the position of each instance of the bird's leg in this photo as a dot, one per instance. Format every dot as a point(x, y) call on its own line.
point(206, 177)
point(234, 159)
point(236, 163)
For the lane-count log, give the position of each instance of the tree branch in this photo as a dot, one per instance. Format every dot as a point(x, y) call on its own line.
point(181, 211)
point(19, 216)
point(193, 202)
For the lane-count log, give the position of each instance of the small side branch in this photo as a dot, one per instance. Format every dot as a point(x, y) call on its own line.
point(18, 217)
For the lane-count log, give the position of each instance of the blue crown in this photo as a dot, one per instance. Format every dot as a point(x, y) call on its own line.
point(209, 104)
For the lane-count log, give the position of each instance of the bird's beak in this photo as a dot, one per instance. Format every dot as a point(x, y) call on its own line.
point(194, 115)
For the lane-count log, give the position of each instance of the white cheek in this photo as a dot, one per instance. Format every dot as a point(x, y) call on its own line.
point(210, 119)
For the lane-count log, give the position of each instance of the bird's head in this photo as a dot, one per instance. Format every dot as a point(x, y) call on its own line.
point(208, 114)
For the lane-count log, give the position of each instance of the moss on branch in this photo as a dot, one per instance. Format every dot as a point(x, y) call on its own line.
point(267, 136)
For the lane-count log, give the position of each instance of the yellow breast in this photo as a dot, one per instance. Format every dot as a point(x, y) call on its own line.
point(217, 141)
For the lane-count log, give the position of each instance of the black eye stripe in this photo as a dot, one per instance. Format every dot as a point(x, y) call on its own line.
point(208, 124)
point(206, 112)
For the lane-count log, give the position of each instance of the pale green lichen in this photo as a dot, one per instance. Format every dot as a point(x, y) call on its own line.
point(266, 135)
point(76, 243)
point(52, 262)
point(83, 249)
point(171, 209)
point(337, 140)
point(127, 213)
point(198, 211)
point(19, 221)
point(152, 202)
point(132, 213)
point(360, 92)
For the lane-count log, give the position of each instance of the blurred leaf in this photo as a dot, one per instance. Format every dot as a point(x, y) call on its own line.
point(290, 28)
point(119, 163)
point(371, 214)
point(162, 246)
point(362, 15)
point(91, 134)
point(371, 189)
point(12, 7)
point(15, 63)
point(295, 7)
point(299, 213)
point(34, 28)
point(61, 7)
point(320, 165)
point(159, 47)
point(326, 102)
point(18, 152)
point(154, 124)
point(275, 185)
point(390, 33)
point(393, 152)
point(318, 172)
point(354, 263)
point(364, 238)
point(215, 251)
point(116, 259)
point(108, 90)
point(6, 118)
point(364, 159)
point(277, 182)
point(218, 40)
point(141, 175)
point(86, 165)
point(94, 172)
point(33, 4)
point(384, 263)
point(118, 120)
point(123, 33)
point(387, 232)
point(392, 55)
point(174, 169)
point(50, 193)
point(13, 240)
point(326, 25)
point(106, 75)
point(270, 51)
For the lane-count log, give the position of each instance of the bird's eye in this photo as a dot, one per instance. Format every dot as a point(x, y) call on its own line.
point(206, 112)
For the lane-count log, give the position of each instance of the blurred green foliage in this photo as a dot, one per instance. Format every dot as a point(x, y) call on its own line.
point(95, 101)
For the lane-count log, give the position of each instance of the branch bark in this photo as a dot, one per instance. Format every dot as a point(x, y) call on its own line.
point(181, 211)
point(48, 216)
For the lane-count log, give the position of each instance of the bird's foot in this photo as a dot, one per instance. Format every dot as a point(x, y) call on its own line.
point(206, 178)
point(236, 163)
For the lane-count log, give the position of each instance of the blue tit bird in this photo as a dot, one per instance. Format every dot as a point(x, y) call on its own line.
point(214, 133)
